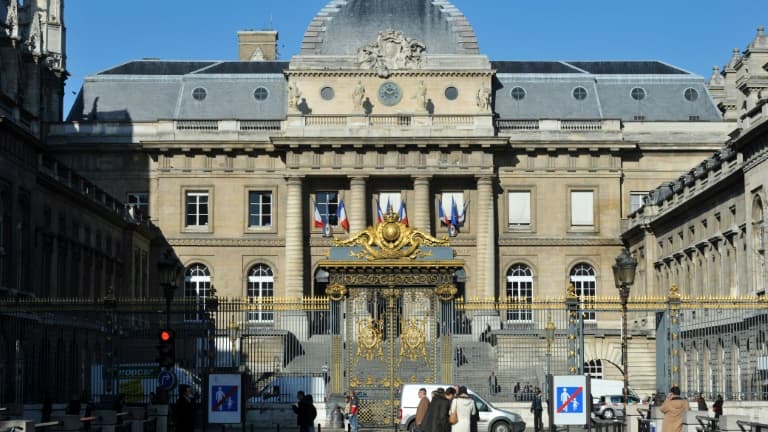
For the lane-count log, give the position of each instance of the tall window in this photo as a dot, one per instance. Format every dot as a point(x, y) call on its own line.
point(519, 209)
point(636, 200)
point(261, 290)
point(584, 281)
point(197, 285)
point(520, 293)
point(197, 209)
point(327, 204)
point(259, 209)
point(139, 201)
point(5, 231)
point(582, 208)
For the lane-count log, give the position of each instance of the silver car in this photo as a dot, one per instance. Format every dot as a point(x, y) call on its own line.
point(612, 406)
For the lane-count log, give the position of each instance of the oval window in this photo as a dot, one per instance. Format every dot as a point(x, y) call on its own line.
point(199, 94)
point(579, 93)
point(638, 93)
point(517, 93)
point(451, 93)
point(327, 93)
point(261, 94)
point(691, 94)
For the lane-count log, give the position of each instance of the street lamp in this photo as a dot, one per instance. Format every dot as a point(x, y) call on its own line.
point(549, 332)
point(234, 336)
point(169, 270)
point(624, 277)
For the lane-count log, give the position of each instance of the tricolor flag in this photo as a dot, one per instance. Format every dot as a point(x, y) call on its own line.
point(403, 213)
point(379, 216)
point(341, 215)
point(441, 214)
point(319, 222)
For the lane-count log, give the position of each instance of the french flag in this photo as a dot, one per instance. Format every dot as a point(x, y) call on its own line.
point(379, 216)
point(341, 214)
point(455, 219)
point(441, 214)
point(403, 214)
point(319, 223)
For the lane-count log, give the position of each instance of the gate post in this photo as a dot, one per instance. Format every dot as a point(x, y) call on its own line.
point(572, 308)
point(673, 307)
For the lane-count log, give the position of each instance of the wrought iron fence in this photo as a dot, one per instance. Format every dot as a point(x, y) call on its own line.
point(68, 348)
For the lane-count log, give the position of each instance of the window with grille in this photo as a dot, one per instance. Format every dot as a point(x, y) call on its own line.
point(196, 209)
point(327, 204)
point(261, 291)
point(139, 201)
point(197, 285)
point(520, 293)
point(259, 209)
point(585, 283)
point(594, 368)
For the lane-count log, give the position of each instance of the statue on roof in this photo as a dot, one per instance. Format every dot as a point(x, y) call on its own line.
point(392, 50)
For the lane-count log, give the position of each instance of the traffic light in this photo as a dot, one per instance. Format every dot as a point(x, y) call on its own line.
point(166, 348)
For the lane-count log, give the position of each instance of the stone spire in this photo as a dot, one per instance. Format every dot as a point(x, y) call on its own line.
point(760, 42)
point(735, 59)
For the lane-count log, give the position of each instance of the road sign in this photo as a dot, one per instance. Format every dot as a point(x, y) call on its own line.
point(167, 380)
point(570, 400)
point(225, 403)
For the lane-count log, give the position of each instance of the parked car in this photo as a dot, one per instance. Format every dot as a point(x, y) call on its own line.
point(612, 406)
point(492, 419)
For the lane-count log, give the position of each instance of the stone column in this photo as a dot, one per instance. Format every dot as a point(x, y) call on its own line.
point(357, 204)
point(484, 226)
point(294, 232)
point(421, 206)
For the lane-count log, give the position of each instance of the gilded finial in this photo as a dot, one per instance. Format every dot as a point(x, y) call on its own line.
point(571, 292)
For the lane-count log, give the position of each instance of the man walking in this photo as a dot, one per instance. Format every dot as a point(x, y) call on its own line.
point(421, 410)
point(536, 409)
point(493, 383)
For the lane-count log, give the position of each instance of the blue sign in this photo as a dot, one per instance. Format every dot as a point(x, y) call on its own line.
point(569, 400)
point(167, 380)
point(224, 398)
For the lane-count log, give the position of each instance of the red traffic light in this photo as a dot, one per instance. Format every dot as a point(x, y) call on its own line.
point(166, 335)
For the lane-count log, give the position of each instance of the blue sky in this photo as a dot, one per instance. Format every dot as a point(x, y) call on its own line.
point(692, 34)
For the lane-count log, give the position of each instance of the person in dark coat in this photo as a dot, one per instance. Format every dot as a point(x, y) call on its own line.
point(717, 407)
point(185, 412)
point(436, 419)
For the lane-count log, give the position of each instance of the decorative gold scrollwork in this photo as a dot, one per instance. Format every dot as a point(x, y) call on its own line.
point(413, 341)
point(674, 293)
point(370, 338)
point(391, 239)
point(571, 292)
point(446, 292)
point(336, 291)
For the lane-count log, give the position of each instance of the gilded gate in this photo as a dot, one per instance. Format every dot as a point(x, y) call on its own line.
point(393, 282)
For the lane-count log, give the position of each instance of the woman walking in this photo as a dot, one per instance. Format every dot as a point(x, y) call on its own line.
point(464, 406)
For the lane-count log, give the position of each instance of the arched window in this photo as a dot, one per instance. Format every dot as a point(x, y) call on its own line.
point(197, 284)
point(758, 244)
point(585, 283)
point(261, 290)
point(520, 293)
point(594, 368)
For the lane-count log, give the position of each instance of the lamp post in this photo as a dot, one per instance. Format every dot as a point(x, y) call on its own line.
point(624, 277)
point(169, 270)
point(549, 332)
point(234, 336)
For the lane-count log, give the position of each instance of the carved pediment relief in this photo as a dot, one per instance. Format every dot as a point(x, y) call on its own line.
point(392, 50)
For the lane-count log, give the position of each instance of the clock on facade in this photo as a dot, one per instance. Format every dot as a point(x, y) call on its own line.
point(390, 93)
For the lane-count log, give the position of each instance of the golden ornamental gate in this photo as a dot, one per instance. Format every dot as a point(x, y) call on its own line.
point(394, 283)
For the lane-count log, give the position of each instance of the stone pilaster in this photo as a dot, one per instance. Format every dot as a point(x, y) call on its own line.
point(294, 231)
point(357, 204)
point(421, 206)
point(486, 266)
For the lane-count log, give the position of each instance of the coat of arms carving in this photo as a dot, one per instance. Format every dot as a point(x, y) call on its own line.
point(392, 50)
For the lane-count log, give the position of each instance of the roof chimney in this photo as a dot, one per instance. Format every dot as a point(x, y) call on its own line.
point(257, 45)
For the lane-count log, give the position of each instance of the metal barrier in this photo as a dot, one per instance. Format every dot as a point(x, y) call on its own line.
point(747, 426)
point(708, 424)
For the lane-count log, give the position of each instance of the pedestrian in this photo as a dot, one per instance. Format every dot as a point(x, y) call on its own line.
point(464, 407)
point(421, 409)
point(493, 383)
point(536, 409)
point(185, 411)
point(309, 413)
point(702, 403)
point(354, 411)
point(325, 369)
point(717, 407)
point(436, 419)
point(673, 408)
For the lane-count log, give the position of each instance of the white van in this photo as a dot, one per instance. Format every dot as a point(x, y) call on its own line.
point(491, 419)
point(604, 387)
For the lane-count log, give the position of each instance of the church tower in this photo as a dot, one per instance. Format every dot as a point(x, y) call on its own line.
point(33, 60)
